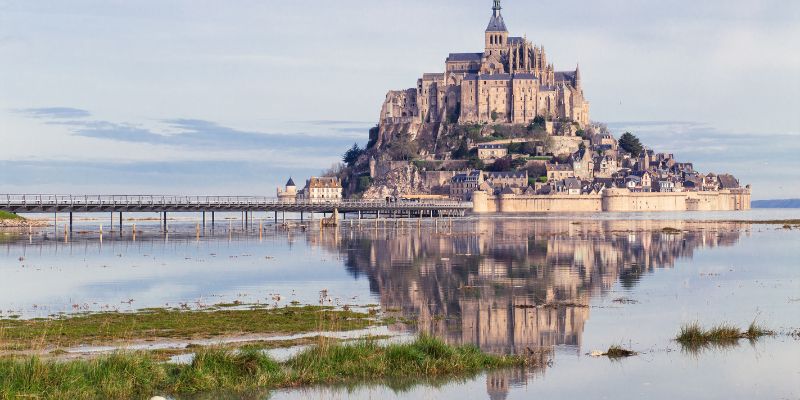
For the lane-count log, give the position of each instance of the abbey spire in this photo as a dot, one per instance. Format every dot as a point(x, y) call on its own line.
point(496, 24)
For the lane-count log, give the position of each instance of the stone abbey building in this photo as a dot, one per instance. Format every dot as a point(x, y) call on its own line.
point(510, 81)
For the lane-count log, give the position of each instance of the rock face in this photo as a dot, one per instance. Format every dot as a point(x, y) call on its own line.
point(399, 180)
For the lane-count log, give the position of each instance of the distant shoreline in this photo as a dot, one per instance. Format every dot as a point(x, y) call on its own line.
point(784, 203)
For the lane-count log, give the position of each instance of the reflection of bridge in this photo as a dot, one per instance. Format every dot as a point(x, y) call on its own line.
point(43, 203)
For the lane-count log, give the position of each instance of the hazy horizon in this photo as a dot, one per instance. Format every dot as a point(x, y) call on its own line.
point(196, 97)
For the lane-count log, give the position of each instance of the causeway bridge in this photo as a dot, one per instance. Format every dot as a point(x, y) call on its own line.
point(55, 204)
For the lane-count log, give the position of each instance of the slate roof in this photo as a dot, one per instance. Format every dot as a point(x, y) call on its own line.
point(496, 24)
point(523, 174)
point(565, 76)
point(572, 183)
point(498, 77)
point(558, 167)
point(727, 182)
point(432, 76)
point(456, 57)
point(290, 182)
point(323, 182)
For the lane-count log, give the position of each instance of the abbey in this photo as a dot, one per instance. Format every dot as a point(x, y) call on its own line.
point(509, 82)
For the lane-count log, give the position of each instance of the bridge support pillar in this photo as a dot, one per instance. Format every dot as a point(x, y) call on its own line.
point(120, 223)
point(204, 220)
point(165, 222)
point(70, 222)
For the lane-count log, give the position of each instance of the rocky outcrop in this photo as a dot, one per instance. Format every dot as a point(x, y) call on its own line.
point(22, 223)
point(399, 180)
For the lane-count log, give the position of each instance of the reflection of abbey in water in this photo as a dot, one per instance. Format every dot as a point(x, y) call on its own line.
point(478, 283)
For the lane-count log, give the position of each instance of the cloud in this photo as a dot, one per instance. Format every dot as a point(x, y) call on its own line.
point(200, 134)
point(56, 112)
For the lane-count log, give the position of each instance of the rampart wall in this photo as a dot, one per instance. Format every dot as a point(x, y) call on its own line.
point(614, 200)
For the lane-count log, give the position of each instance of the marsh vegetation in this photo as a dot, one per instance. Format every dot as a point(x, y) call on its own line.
point(139, 375)
point(694, 337)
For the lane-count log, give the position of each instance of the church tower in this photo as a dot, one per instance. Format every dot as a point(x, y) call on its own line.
point(496, 32)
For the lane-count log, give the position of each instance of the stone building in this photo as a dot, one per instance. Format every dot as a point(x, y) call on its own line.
point(558, 172)
point(464, 184)
point(289, 194)
point(491, 151)
point(510, 81)
point(322, 189)
point(515, 179)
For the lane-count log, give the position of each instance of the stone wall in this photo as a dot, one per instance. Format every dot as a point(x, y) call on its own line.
point(614, 200)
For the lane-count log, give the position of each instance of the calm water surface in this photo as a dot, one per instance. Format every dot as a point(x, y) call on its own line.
point(623, 281)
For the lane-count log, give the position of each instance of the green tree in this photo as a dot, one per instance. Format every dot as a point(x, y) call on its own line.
point(462, 151)
point(501, 165)
point(351, 156)
point(529, 148)
point(494, 115)
point(363, 184)
point(631, 144)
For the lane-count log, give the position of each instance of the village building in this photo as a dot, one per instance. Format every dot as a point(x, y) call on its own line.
point(322, 189)
point(464, 184)
point(558, 172)
point(491, 151)
point(583, 164)
point(514, 179)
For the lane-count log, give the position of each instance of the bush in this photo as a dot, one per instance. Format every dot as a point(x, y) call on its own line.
point(364, 183)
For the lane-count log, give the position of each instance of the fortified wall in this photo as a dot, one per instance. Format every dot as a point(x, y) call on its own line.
point(613, 200)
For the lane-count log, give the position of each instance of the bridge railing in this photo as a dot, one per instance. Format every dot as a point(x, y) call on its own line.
point(59, 200)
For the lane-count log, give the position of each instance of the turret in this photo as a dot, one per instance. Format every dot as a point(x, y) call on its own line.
point(578, 76)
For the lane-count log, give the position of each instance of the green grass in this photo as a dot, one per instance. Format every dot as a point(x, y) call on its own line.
point(694, 336)
point(139, 375)
point(101, 328)
point(5, 215)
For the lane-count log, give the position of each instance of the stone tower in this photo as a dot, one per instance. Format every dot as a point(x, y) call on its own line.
point(496, 32)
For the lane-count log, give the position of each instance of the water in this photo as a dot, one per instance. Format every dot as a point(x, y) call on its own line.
point(607, 280)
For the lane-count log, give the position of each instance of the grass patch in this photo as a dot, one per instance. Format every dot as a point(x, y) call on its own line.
point(671, 231)
point(694, 336)
point(755, 331)
point(140, 375)
point(99, 328)
point(5, 215)
point(618, 352)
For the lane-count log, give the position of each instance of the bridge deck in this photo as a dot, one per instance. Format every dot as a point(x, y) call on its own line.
point(39, 203)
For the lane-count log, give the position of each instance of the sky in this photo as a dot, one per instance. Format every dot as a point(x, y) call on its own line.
point(209, 97)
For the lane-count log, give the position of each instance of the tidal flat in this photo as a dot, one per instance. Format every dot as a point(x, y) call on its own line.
point(553, 288)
